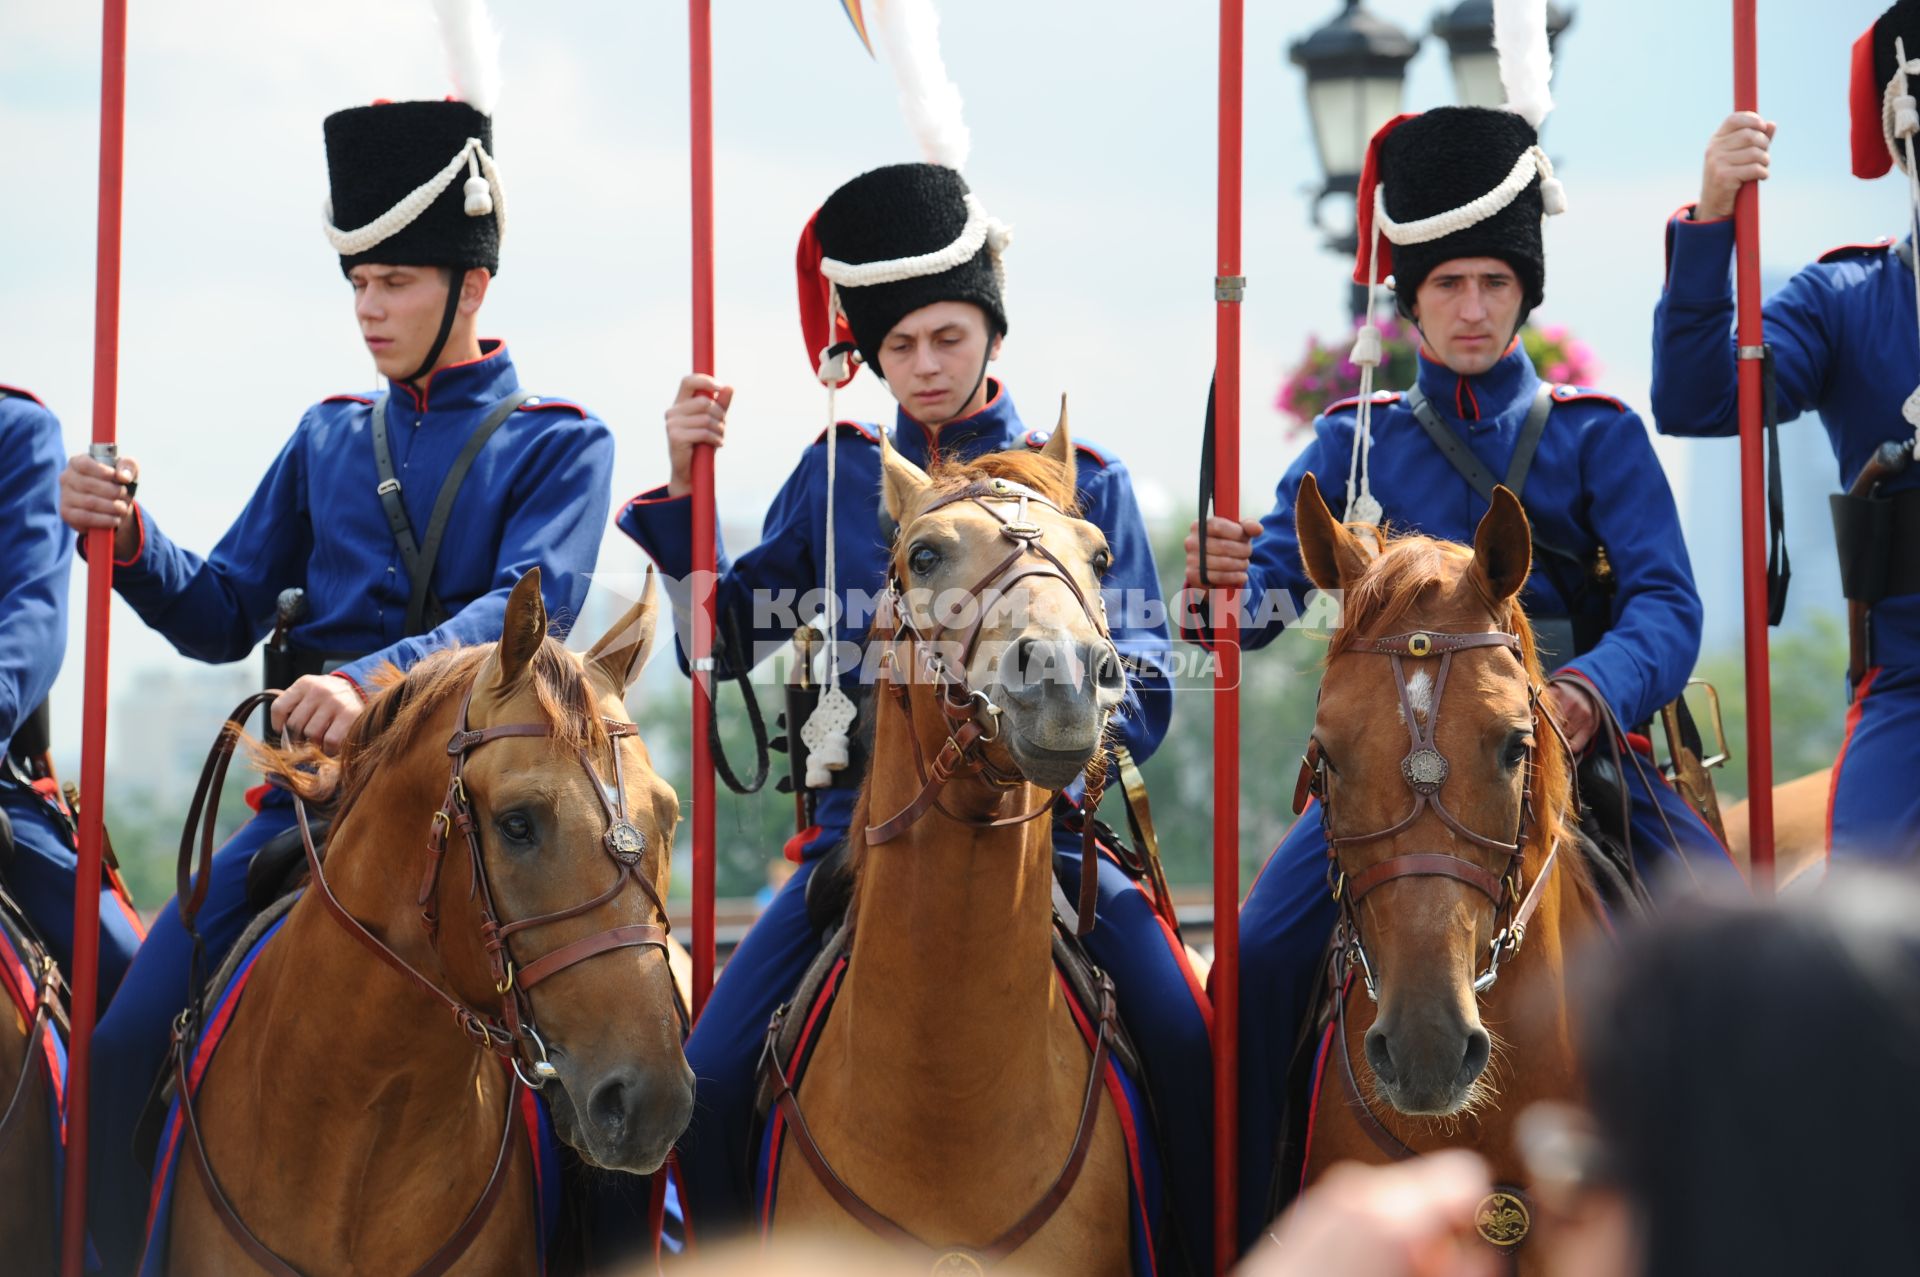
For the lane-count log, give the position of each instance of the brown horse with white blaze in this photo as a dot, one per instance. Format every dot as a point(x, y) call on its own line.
point(1444, 790)
point(951, 1093)
point(350, 1122)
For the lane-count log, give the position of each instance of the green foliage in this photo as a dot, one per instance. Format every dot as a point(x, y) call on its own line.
point(1809, 702)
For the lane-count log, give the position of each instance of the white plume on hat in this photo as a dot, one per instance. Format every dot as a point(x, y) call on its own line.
point(473, 51)
point(1526, 58)
point(910, 33)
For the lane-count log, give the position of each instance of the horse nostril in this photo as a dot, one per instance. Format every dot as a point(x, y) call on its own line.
point(1108, 675)
point(1479, 1048)
point(1380, 1056)
point(611, 1106)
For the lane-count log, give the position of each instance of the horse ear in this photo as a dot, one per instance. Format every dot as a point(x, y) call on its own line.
point(524, 629)
point(621, 653)
point(1503, 545)
point(1059, 447)
point(1333, 556)
point(901, 482)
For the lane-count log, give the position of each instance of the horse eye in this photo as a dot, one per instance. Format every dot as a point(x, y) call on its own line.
point(1518, 747)
point(923, 559)
point(515, 827)
point(1102, 562)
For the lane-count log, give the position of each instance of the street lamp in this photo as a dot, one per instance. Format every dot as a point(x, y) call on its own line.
point(1355, 66)
point(1467, 29)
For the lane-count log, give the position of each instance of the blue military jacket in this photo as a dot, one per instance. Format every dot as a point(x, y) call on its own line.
point(35, 552)
point(790, 559)
point(1844, 345)
point(1594, 482)
point(537, 496)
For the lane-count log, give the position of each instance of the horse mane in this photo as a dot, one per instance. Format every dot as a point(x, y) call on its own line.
point(1028, 468)
point(404, 703)
point(1408, 568)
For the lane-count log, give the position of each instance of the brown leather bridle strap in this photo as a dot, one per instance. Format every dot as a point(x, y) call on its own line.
point(1030, 1223)
point(443, 1257)
point(191, 890)
point(44, 992)
point(1428, 864)
point(642, 933)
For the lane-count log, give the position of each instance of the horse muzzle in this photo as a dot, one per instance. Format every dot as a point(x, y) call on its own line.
point(1055, 695)
point(1427, 1069)
point(630, 1117)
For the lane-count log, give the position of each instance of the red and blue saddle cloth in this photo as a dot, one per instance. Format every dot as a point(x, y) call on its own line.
point(50, 1051)
point(545, 1146)
point(1146, 1210)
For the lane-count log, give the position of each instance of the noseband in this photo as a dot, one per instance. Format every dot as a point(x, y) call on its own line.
point(971, 719)
point(1425, 770)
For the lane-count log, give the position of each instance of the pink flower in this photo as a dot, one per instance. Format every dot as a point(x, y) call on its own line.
point(1560, 372)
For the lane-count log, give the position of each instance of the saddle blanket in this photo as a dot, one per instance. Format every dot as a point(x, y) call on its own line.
point(545, 1146)
point(1147, 1199)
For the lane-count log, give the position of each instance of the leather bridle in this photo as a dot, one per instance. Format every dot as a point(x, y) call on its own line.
point(511, 1034)
point(971, 719)
point(1425, 771)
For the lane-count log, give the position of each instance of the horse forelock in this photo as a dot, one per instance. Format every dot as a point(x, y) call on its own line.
point(1030, 469)
point(402, 705)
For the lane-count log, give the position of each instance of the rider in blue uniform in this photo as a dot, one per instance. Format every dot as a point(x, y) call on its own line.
point(1842, 333)
point(931, 337)
point(537, 495)
point(35, 554)
point(1623, 641)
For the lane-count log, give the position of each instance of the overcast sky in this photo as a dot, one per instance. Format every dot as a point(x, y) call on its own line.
point(1093, 135)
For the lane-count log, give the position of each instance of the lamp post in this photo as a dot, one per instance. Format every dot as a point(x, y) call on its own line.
point(1355, 65)
point(1467, 29)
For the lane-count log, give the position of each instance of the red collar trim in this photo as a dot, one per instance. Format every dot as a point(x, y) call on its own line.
point(489, 347)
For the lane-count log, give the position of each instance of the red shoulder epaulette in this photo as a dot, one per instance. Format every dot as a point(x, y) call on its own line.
point(854, 426)
point(24, 394)
point(1573, 394)
point(1847, 252)
point(541, 403)
point(1037, 439)
point(1353, 401)
point(346, 399)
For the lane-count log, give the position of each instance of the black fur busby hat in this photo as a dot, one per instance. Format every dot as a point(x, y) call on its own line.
point(1873, 97)
point(898, 238)
point(1443, 160)
point(380, 162)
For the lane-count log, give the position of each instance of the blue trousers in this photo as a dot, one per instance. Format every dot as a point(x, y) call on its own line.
point(1874, 810)
point(42, 880)
point(130, 1043)
point(1288, 918)
point(1161, 1008)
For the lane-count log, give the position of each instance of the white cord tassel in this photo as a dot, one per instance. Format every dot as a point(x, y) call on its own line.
point(1361, 505)
point(825, 731)
point(473, 157)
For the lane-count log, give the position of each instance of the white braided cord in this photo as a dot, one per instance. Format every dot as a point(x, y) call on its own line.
point(472, 156)
point(981, 228)
point(1426, 229)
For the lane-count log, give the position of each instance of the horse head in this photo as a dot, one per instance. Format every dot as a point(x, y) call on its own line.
point(997, 579)
point(577, 816)
point(1443, 786)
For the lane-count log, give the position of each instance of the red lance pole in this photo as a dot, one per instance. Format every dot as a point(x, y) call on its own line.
point(93, 725)
point(1753, 478)
point(700, 40)
point(1228, 288)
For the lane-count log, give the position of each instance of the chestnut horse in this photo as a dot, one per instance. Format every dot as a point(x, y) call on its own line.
point(351, 1123)
point(950, 1092)
point(32, 1001)
point(1444, 790)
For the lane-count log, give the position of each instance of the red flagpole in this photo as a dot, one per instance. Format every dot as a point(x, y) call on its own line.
point(93, 723)
point(1228, 286)
point(1753, 477)
point(700, 41)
